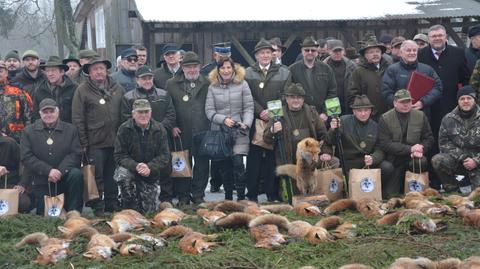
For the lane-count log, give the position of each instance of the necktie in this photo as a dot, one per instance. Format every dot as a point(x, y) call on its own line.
point(438, 53)
point(264, 71)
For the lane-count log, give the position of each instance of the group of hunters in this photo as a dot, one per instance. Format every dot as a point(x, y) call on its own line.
point(57, 114)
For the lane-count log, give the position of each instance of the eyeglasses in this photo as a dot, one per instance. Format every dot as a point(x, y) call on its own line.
point(310, 50)
point(132, 59)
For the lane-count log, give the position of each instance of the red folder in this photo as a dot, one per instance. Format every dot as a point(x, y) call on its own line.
point(419, 85)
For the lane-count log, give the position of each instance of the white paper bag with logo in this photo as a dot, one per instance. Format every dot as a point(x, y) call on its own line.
point(416, 181)
point(257, 138)
point(54, 204)
point(180, 162)
point(365, 183)
point(330, 183)
point(8, 200)
point(90, 190)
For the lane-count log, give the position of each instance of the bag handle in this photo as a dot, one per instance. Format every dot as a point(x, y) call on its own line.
point(366, 167)
point(6, 178)
point(85, 159)
point(419, 165)
point(50, 191)
point(175, 144)
point(324, 165)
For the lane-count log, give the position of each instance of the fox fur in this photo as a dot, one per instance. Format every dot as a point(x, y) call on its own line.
point(306, 209)
point(469, 216)
point(192, 242)
point(278, 208)
point(127, 220)
point(408, 263)
point(450, 263)
point(421, 221)
point(209, 216)
point(393, 203)
point(429, 192)
point(74, 221)
point(228, 206)
point(458, 201)
point(168, 217)
point(267, 236)
point(101, 246)
point(318, 200)
point(235, 220)
point(417, 201)
point(345, 230)
point(51, 249)
point(472, 262)
point(141, 244)
point(304, 171)
point(368, 207)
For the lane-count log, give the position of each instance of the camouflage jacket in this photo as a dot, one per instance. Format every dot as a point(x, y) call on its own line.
point(16, 106)
point(460, 137)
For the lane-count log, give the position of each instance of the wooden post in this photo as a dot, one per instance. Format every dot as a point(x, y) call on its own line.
point(242, 50)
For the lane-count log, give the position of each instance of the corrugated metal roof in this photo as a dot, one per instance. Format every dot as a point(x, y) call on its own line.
point(303, 10)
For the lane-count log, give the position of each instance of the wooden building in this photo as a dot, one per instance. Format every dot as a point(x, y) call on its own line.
point(112, 25)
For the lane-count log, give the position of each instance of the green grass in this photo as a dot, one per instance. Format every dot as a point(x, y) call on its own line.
point(377, 246)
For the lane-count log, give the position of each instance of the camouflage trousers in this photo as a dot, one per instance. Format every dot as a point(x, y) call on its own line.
point(135, 192)
point(447, 167)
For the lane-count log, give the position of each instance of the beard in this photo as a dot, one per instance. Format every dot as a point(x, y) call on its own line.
point(192, 77)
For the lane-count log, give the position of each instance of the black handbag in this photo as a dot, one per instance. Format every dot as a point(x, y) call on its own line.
point(215, 145)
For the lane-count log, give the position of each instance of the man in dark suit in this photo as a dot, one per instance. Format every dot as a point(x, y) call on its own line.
point(450, 65)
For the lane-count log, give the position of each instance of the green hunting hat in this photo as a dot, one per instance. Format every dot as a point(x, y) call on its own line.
point(13, 54)
point(30, 53)
point(71, 58)
point(87, 54)
point(397, 41)
point(47, 103)
point(54, 61)
point(351, 53)
point(190, 57)
point(295, 89)
point(141, 105)
point(143, 71)
point(335, 44)
point(371, 42)
point(361, 101)
point(402, 95)
point(309, 41)
point(263, 44)
point(94, 60)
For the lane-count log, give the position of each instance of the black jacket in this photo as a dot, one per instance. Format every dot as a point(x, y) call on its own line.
point(39, 158)
point(62, 94)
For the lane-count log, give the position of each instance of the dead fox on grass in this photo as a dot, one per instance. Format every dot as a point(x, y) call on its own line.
point(306, 209)
point(101, 246)
point(168, 217)
point(73, 222)
point(192, 242)
point(128, 220)
point(419, 220)
point(51, 249)
point(368, 207)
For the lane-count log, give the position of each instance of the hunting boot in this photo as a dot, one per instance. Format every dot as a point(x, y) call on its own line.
point(239, 176)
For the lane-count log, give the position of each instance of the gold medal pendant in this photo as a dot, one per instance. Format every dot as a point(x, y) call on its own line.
point(102, 101)
point(185, 98)
point(261, 85)
point(363, 144)
point(296, 132)
point(49, 141)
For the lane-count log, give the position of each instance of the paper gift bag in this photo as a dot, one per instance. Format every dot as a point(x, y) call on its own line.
point(90, 191)
point(365, 183)
point(257, 138)
point(330, 183)
point(180, 162)
point(417, 180)
point(54, 204)
point(8, 201)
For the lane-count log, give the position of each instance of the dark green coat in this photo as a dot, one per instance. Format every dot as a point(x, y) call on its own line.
point(367, 79)
point(97, 123)
point(278, 77)
point(129, 153)
point(26, 81)
point(324, 85)
point(353, 133)
point(191, 118)
point(162, 74)
point(396, 143)
point(316, 128)
point(39, 158)
point(62, 94)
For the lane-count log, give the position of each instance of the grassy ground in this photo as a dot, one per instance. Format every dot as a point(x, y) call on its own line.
point(377, 246)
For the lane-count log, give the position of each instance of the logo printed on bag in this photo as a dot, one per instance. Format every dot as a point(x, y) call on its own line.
point(367, 184)
point(54, 211)
point(333, 186)
point(415, 186)
point(178, 164)
point(3, 207)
